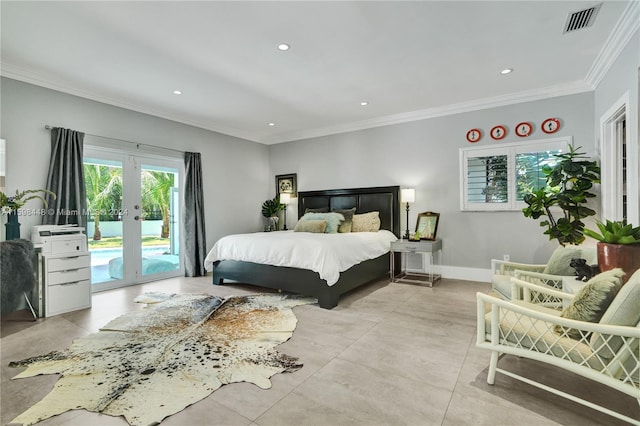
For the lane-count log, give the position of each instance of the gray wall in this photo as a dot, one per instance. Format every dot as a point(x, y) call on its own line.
point(235, 173)
point(624, 77)
point(424, 155)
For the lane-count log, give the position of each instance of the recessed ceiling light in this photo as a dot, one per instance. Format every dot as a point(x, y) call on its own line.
point(272, 124)
point(364, 103)
point(283, 46)
point(177, 92)
point(506, 71)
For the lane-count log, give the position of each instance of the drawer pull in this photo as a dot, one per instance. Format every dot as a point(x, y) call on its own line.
point(71, 283)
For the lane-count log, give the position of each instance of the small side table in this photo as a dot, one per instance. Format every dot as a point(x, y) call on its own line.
point(433, 249)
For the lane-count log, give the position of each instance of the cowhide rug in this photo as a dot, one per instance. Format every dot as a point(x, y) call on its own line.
point(150, 364)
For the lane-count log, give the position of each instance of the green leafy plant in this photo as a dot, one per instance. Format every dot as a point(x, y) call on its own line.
point(103, 185)
point(615, 232)
point(9, 204)
point(270, 208)
point(567, 187)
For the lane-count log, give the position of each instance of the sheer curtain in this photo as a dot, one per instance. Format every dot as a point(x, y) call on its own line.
point(66, 179)
point(193, 214)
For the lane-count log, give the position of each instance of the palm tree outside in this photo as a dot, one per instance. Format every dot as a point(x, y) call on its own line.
point(104, 193)
point(156, 196)
point(103, 185)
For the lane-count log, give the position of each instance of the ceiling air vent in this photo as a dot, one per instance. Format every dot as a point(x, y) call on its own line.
point(581, 19)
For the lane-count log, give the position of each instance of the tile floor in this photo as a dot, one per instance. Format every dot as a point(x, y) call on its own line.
point(389, 354)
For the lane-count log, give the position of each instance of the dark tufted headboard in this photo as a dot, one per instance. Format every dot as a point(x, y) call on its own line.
point(385, 199)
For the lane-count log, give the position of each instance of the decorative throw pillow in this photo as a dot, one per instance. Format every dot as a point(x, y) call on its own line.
point(592, 300)
point(345, 226)
point(315, 226)
point(366, 222)
point(559, 262)
point(318, 210)
point(624, 310)
point(333, 220)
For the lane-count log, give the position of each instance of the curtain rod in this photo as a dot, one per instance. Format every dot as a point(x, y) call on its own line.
point(137, 144)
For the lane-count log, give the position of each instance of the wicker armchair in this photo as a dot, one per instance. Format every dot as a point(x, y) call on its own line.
point(607, 352)
point(550, 274)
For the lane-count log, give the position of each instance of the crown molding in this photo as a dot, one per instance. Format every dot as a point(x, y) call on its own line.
point(26, 76)
point(576, 87)
point(572, 88)
point(622, 33)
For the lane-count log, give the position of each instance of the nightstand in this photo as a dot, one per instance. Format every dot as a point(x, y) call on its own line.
point(432, 250)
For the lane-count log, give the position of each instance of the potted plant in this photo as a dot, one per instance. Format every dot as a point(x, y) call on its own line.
point(568, 185)
point(9, 206)
point(270, 210)
point(618, 246)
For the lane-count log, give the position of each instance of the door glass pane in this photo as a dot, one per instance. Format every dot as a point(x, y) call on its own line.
point(529, 170)
point(487, 179)
point(159, 220)
point(103, 183)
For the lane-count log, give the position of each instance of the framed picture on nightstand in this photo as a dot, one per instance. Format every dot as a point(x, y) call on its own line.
point(427, 225)
point(287, 184)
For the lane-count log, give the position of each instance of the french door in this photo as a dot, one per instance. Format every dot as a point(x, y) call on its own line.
point(134, 226)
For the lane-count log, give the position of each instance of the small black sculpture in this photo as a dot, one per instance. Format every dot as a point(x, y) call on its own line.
point(584, 272)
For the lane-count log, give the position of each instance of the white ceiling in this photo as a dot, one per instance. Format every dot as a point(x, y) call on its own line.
point(409, 60)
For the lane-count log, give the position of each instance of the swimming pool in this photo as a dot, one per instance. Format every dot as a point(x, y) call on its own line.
point(100, 260)
point(104, 255)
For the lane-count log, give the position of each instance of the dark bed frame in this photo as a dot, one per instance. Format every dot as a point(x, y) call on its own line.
point(308, 283)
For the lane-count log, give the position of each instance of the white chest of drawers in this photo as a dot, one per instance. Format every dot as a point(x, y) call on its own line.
point(67, 282)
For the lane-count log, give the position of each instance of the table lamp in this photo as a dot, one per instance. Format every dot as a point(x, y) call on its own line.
point(408, 196)
point(285, 198)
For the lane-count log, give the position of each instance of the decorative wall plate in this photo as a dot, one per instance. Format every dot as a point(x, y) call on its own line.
point(498, 132)
point(550, 125)
point(524, 129)
point(474, 135)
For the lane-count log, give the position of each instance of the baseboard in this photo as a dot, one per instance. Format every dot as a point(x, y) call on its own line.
point(468, 274)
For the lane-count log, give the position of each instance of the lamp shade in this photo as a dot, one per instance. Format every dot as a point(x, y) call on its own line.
point(285, 198)
point(408, 195)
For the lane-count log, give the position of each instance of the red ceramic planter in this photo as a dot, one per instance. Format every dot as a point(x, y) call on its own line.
point(625, 256)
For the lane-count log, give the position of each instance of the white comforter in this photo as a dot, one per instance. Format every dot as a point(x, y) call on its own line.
point(326, 254)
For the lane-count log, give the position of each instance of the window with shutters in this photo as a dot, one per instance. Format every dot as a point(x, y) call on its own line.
point(497, 177)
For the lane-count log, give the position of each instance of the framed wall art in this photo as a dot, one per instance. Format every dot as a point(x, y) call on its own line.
point(427, 225)
point(287, 184)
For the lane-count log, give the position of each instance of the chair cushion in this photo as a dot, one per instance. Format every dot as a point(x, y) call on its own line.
point(523, 331)
point(559, 261)
point(624, 310)
point(502, 285)
point(593, 299)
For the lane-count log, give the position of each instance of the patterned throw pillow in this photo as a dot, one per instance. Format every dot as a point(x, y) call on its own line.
point(333, 220)
point(345, 226)
point(592, 300)
point(366, 222)
point(315, 226)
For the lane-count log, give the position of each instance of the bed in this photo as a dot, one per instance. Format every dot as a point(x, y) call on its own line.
point(309, 283)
